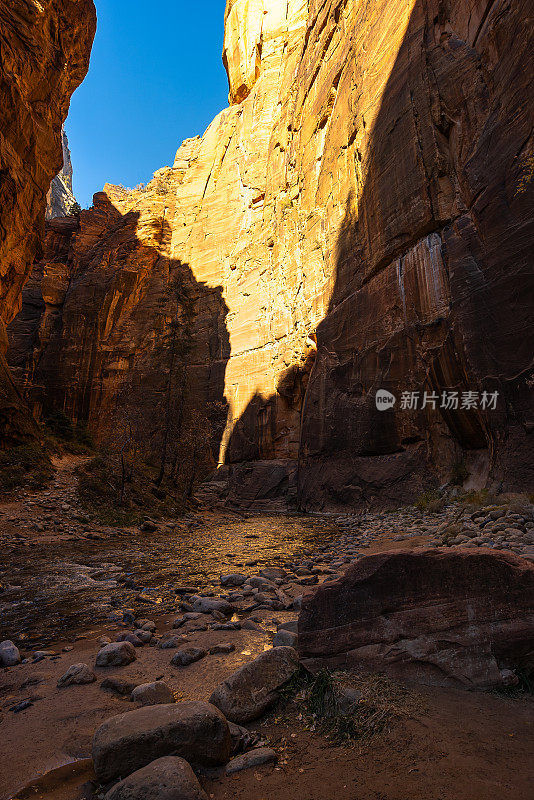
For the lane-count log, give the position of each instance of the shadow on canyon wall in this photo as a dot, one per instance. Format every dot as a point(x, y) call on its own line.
point(90, 309)
point(433, 284)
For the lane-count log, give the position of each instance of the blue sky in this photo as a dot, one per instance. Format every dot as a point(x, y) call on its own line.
point(156, 77)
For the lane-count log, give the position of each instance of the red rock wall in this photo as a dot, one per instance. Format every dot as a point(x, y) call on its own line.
point(44, 48)
point(361, 192)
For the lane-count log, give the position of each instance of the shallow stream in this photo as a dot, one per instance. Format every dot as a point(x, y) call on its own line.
point(59, 589)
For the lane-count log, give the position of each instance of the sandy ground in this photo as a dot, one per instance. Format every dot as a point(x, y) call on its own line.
point(459, 746)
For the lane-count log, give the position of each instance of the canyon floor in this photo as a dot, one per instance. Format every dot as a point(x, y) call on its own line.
point(66, 583)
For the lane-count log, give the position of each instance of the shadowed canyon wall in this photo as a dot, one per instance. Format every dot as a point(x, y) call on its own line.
point(44, 56)
point(355, 211)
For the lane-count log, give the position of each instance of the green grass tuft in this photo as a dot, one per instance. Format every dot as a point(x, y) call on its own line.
point(430, 503)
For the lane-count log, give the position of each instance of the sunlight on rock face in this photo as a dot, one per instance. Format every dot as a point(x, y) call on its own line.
point(336, 223)
point(252, 33)
point(263, 193)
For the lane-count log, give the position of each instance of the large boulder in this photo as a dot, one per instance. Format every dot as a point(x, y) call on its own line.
point(195, 731)
point(253, 689)
point(169, 778)
point(441, 617)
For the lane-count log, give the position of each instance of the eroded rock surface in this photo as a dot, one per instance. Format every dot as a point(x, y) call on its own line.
point(351, 222)
point(438, 617)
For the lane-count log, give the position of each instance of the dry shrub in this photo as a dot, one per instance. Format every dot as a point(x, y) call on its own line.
point(348, 707)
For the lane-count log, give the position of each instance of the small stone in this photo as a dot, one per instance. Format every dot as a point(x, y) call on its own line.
point(116, 654)
point(205, 605)
point(312, 580)
point(118, 686)
point(509, 678)
point(254, 758)
point(187, 656)
point(77, 675)
point(224, 648)
point(22, 706)
point(152, 694)
point(233, 579)
point(146, 625)
point(9, 654)
point(347, 698)
point(248, 625)
point(39, 655)
point(143, 635)
point(172, 642)
point(130, 637)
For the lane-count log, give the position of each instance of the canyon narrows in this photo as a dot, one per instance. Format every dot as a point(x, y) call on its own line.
point(352, 222)
point(266, 422)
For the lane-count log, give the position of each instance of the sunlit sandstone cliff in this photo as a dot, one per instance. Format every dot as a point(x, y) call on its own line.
point(44, 55)
point(352, 222)
point(60, 201)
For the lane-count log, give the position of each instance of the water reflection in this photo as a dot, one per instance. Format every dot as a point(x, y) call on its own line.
point(68, 586)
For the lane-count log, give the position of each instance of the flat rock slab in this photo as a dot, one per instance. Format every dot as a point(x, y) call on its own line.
point(254, 758)
point(253, 689)
point(440, 617)
point(169, 778)
point(127, 742)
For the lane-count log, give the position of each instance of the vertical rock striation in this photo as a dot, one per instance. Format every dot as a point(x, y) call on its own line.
point(44, 56)
point(356, 212)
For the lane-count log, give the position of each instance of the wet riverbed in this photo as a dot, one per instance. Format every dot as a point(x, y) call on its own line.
point(56, 590)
